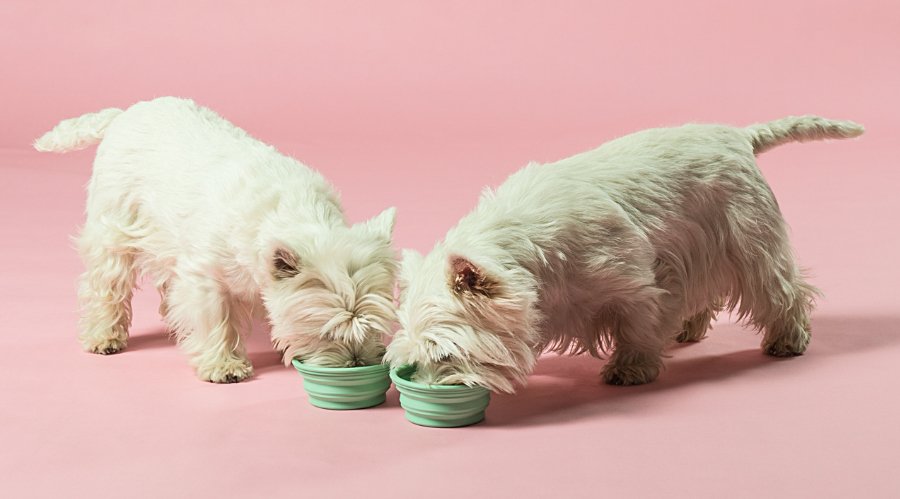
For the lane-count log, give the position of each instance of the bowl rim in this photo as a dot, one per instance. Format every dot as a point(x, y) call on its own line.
point(303, 368)
point(400, 381)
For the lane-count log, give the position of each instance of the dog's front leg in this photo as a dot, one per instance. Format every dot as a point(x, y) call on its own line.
point(636, 326)
point(204, 319)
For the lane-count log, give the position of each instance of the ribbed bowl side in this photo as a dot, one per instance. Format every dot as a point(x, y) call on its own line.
point(443, 406)
point(345, 388)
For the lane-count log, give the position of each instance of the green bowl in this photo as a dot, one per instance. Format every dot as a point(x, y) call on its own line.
point(342, 388)
point(439, 406)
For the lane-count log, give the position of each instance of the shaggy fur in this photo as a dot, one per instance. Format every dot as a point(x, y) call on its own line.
point(227, 227)
point(620, 250)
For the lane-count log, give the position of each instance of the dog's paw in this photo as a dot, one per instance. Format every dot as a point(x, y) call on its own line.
point(695, 328)
point(226, 371)
point(629, 375)
point(103, 346)
point(785, 349)
point(686, 336)
point(787, 345)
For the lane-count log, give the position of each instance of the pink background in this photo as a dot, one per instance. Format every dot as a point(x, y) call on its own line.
point(419, 105)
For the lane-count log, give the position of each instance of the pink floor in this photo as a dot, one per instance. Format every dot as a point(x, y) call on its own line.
point(419, 107)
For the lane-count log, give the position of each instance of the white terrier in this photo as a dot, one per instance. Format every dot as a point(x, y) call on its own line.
point(226, 226)
point(630, 245)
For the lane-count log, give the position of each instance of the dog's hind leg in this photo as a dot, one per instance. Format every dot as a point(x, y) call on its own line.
point(694, 329)
point(784, 306)
point(206, 322)
point(773, 293)
point(105, 288)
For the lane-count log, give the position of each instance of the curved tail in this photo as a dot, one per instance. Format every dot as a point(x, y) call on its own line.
point(77, 133)
point(765, 136)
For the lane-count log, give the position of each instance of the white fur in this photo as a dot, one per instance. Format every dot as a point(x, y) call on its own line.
point(227, 227)
point(630, 245)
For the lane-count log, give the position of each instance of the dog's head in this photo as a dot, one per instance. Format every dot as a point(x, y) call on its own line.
point(465, 322)
point(330, 296)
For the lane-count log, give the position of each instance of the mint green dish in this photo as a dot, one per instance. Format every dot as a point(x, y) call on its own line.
point(343, 388)
point(439, 406)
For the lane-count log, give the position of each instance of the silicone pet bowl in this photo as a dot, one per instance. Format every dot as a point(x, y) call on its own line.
point(440, 406)
point(342, 388)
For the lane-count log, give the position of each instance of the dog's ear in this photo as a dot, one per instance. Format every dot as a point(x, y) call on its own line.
point(468, 278)
point(382, 225)
point(285, 264)
point(410, 264)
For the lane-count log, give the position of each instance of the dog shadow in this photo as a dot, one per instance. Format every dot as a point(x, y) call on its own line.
point(262, 354)
point(157, 338)
point(565, 389)
point(259, 347)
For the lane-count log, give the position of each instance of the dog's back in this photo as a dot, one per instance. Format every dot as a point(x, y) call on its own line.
point(192, 168)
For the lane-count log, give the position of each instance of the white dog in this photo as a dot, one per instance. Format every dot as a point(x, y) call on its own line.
point(225, 225)
point(630, 245)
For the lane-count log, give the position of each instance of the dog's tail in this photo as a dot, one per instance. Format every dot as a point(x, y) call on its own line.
point(77, 133)
point(765, 136)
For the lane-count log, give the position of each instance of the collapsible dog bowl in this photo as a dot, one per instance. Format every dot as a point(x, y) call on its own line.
point(440, 406)
point(342, 388)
